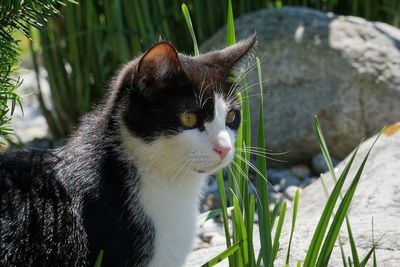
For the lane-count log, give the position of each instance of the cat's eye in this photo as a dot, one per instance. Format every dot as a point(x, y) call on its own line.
point(188, 119)
point(230, 117)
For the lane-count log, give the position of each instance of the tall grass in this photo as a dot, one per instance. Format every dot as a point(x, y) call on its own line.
point(82, 49)
point(240, 248)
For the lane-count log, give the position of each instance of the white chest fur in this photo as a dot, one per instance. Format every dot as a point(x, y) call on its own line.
point(172, 208)
point(170, 181)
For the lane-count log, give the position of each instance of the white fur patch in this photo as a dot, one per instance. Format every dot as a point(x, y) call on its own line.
point(172, 171)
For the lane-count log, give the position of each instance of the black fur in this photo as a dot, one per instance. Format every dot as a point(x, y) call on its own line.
point(61, 207)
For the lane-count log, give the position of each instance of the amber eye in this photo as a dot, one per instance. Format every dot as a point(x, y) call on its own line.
point(230, 117)
point(188, 119)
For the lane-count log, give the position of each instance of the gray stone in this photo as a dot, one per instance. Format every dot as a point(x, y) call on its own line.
point(377, 196)
point(301, 171)
point(344, 69)
point(319, 165)
point(289, 181)
point(276, 175)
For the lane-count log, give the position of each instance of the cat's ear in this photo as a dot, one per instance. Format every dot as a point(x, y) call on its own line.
point(231, 55)
point(159, 64)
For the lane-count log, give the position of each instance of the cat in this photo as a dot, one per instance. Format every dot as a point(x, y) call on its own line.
point(128, 181)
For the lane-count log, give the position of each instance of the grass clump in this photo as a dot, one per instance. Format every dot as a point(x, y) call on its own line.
point(240, 248)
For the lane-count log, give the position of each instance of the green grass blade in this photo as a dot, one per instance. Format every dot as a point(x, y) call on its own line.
point(353, 247)
point(186, 14)
point(333, 232)
point(364, 262)
point(324, 147)
point(250, 224)
point(241, 231)
point(352, 242)
point(99, 259)
point(278, 232)
point(373, 243)
point(350, 262)
point(241, 181)
point(274, 212)
point(223, 255)
point(222, 195)
point(294, 216)
point(230, 26)
point(262, 185)
point(315, 245)
point(342, 252)
point(246, 121)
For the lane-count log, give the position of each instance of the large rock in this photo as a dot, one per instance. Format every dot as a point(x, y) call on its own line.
point(377, 197)
point(344, 69)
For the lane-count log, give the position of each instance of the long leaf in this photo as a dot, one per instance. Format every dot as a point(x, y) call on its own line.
point(262, 184)
point(241, 231)
point(333, 232)
point(364, 262)
point(99, 259)
point(328, 161)
point(278, 232)
point(274, 212)
point(223, 255)
point(353, 246)
point(294, 216)
point(222, 195)
point(315, 245)
point(230, 27)
point(186, 14)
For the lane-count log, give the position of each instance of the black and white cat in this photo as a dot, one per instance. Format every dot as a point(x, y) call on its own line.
point(128, 181)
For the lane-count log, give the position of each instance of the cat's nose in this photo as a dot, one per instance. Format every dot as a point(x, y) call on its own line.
point(222, 150)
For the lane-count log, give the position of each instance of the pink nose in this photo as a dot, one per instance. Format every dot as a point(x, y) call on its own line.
point(222, 151)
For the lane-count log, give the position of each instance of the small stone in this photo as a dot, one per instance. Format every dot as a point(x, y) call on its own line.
point(276, 175)
point(319, 165)
point(300, 171)
point(289, 181)
point(205, 237)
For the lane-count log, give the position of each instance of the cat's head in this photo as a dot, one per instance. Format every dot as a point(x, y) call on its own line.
point(181, 113)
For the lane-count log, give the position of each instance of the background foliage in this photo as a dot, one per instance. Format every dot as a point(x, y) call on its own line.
point(17, 15)
point(83, 48)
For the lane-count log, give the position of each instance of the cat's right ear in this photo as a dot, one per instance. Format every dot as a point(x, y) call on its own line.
point(157, 66)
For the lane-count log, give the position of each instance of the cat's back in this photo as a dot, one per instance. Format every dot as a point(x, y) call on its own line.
point(19, 168)
point(38, 223)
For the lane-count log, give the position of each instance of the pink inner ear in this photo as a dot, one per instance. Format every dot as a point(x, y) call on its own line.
point(159, 61)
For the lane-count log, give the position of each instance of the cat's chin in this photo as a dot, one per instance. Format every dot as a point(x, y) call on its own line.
point(211, 169)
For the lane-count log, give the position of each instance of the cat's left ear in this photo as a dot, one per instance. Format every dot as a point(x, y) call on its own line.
point(231, 55)
point(159, 64)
